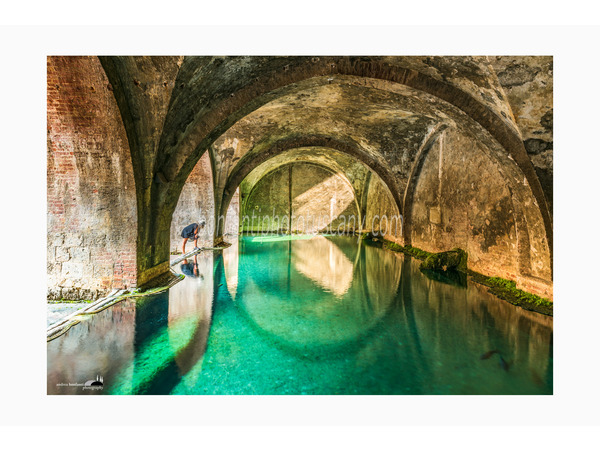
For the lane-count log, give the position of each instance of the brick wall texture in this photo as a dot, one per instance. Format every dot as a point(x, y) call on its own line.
point(92, 221)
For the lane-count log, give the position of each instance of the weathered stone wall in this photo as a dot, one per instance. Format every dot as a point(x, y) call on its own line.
point(195, 203)
point(528, 84)
point(92, 219)
point(232, 221)
point(381, 214)
point(462, 200)
point(320, 200)
point(325, 200)
point(269, 198)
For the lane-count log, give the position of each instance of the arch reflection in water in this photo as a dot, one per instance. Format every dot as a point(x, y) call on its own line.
point(314, 293)
point(278, 327)
point(230, 259)
point(322, 261)
point(394, 331)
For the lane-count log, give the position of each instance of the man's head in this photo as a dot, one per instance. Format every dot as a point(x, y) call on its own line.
point(202, 223)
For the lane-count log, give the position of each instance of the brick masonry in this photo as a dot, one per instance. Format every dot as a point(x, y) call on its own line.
point(92, 221)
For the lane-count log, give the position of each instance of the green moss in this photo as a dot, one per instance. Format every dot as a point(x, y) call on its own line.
point(455, 259)
point(464, 257)
point(511, 286)
point(393, 246)
point(64, 300)
point(409, 250)
point(417, 252)
point(501, 282)
point(500, 287)
point(507, 290)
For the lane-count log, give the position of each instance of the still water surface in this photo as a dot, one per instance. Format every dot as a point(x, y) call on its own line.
point(307, 315)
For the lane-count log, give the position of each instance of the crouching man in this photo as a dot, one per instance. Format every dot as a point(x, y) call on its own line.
point(192, 232)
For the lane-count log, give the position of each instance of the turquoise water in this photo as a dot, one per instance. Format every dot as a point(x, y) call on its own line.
point(307, 315)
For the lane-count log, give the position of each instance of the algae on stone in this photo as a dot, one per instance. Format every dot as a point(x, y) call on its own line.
point(453, 259)
point(409, 250)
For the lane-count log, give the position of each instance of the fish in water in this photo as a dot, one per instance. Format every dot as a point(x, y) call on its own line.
point(503, 363)
point(487, 355)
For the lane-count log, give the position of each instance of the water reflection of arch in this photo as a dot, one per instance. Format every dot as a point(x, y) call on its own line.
point(186, 311)
point(194, 299)
point(281, 306)
point(480, 322)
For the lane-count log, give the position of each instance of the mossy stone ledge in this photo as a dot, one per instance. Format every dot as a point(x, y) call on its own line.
point(456, 260)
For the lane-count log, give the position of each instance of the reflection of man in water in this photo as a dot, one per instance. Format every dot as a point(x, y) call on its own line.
point(190, 269)
point(191, 232)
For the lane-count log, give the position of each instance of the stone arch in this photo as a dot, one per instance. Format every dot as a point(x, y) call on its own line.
point(253, 160)
point(202, 129)
point(522, 215)
point(200, 109)
point(407, 201)
point(142, 88)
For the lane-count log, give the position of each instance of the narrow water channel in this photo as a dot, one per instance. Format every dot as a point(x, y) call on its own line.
point(307, 315)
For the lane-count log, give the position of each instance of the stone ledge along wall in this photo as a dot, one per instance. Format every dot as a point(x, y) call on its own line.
point(92, 220)
point(462, 200)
